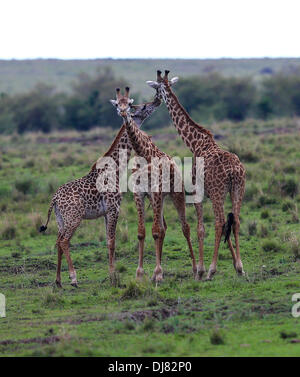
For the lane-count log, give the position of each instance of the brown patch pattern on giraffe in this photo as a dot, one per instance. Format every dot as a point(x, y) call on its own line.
point(223, 173)
point(144, 147)
point(80, 199)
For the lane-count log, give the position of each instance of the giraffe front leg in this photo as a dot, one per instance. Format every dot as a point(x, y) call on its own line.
point(158, 235)
point(218, 234)
point(238, 263)
point(58, 271)
point(65, 246)
point(178, 199)
point(111, 220)
point(201, 234)
point(139, 201)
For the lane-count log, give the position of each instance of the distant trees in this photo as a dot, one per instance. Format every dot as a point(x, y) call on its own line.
point(210, 97)
point(89, 105)
point(43, 109)
point(214, 97)
point(37, 110)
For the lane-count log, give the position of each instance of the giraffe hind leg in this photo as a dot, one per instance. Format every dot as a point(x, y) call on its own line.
point(178, 199)
point(70, 225)
point(59, 257)
point(60, 225)
point(218, 207)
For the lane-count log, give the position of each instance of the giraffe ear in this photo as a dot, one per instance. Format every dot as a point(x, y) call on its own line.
point(174, 80)
point(113, 101)
point(153, 84)
point(131, 101)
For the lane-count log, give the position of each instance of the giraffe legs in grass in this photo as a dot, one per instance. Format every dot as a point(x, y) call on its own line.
point(158, 233)
point(178, 199)
point(139, 199)
point(111, 220)
point(68, 223)
point(219, 226)
point(159, 228)
point(201, 233)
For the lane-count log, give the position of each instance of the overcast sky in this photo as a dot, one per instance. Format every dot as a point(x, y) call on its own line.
point(84, 29)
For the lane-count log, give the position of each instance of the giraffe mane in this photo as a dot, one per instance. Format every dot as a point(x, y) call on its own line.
point(193, 123)
point(113, 145)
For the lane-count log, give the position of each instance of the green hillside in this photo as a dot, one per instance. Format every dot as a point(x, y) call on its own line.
point(22, 75)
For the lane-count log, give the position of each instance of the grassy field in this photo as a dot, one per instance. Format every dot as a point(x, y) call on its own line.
point(20, 76)
point(229, 316)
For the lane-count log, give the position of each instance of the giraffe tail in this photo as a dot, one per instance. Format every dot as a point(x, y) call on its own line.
point(44, 227)
point(228, 225)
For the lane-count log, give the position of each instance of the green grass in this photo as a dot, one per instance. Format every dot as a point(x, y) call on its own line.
point(229, 316)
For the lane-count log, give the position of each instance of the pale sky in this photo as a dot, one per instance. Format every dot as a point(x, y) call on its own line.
point(83, 29)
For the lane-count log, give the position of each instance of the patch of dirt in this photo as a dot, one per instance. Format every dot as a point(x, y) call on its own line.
point(138, 316)
point(46, 340)
point(30, 265)
point(83, 244)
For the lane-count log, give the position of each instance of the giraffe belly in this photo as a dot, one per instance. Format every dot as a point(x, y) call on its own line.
point(94, 211)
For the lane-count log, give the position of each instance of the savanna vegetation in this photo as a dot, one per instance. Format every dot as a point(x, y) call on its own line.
point(209, 91)
point(231, 315)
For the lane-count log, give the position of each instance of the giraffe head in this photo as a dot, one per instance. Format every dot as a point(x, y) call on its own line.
point(123, 103)
point(140, 112)
point(162, 83)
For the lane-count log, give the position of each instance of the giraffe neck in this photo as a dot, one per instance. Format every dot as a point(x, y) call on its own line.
point(121, 142)
point(141, 142)
point(196, 138)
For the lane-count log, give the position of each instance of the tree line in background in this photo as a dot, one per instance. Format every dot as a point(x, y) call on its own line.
point(208, 98)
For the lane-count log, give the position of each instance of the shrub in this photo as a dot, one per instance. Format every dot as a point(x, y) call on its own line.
point(9, 232)
point(265, 200)
point(133, 290)
point(121, 268)
point(53, 300)
point(295, 247)
point(252, 228)
point(250, 193)
point(25, 184)
point(265, 214)
point(286, 335)
point(289, 187)
point(270, 245)
point(148, 324)
point(263, 231)
point(287, 205)
point(216, 337)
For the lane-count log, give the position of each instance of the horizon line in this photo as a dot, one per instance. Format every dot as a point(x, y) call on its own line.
point(154, 58)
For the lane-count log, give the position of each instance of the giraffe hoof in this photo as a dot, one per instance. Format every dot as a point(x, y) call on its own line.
point(210, 275)
point(199, 273)
point(114, 278)
point(139, 273)
point(239, 269)
point(58, 284)
point(240, 272)
point(157, 278)
point(74, 285)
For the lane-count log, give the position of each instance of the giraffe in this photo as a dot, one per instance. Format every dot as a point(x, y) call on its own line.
point(80, 199)
point(223, 173)
point(144, 147)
